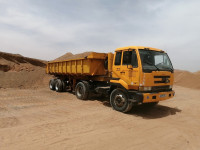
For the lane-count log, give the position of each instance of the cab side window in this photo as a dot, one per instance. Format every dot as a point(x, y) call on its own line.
point(134, 61)
point(130, 58)
point(118, 58)
point(127, 57)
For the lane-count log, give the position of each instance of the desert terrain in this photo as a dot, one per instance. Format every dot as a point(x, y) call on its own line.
point(34, 117)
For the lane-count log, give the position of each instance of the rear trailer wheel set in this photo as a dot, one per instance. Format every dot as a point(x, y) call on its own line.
point(57, 85)
point(52, 84)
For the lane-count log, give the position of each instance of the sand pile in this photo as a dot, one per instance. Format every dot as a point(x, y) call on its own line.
point(187, 79)
point(17, 71)
point(72, 56)
point(16, 62)
point(197, 73)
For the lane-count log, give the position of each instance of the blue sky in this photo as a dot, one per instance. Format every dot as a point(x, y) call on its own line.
point(46, 29)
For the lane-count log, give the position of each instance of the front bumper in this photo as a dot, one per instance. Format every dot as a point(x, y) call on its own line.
point(152, 97)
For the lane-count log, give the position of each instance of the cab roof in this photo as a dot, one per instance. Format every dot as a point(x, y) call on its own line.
point(138, 47)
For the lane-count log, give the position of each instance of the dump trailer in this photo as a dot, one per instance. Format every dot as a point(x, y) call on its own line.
point(132, 75)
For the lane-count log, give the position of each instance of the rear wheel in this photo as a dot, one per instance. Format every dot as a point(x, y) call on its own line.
point(119, 101)
point(64, 86)
point(52, 84)
point(82, 90)
point(59, 85)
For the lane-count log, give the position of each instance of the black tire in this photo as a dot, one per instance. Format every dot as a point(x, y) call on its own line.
point(64, 86)
point(59, 85)
point(152, 104)
point(119, 101)
point(52, 83)
point(82, 90)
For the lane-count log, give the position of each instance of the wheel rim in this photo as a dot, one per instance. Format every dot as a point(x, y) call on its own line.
point(80, 91)
point(56, 87)
point(50, 86)
point(119, 100)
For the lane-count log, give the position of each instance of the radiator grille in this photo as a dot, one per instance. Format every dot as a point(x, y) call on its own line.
point(161, 88)
point(164, 79)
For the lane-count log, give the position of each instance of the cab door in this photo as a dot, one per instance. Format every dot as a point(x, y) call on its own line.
point(125, 67)
point(116, 69)
point(129, 68)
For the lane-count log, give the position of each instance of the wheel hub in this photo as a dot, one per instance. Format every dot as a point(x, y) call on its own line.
point(119, 100)
point(80, 91)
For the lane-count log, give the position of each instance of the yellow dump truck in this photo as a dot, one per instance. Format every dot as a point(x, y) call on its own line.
point(132, 75)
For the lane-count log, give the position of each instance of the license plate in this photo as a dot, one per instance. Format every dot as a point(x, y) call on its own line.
point(162, 95)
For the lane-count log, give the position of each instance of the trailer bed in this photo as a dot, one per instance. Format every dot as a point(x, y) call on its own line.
point(91, 65)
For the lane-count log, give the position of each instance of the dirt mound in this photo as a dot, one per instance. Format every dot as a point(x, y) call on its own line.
point(72, 56)
point(187, 79)
point(197, 73)
point(17, 71)
point(24, 79)
point(17, 62)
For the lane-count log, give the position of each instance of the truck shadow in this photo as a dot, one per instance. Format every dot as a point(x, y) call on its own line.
point(158, 111)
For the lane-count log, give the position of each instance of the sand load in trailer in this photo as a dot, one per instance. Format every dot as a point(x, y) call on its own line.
point(93, 64)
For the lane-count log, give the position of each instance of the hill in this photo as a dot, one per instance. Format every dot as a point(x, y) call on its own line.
point(187, 79)
point(17, 71)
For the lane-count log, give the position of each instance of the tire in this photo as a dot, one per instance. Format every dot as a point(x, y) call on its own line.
point(152, 104)
point(59, 85)
point(82, 90)
point(64, 86)
point(119, 101)
point(52, 83)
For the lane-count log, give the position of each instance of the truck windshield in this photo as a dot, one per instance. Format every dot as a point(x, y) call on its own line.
point(154, 60)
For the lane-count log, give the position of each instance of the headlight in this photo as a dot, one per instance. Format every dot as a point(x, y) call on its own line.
point(171, 86)
point(145, 88)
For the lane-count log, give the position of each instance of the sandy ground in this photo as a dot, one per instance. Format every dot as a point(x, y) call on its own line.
point(43, 119)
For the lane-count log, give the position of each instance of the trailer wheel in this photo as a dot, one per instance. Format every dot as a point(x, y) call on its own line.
point(82, 90)
point(64, 86)
point(59, 85)
point(52, 84)
point(119, 101)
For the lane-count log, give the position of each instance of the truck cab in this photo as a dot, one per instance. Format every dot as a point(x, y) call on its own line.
point(141, 75)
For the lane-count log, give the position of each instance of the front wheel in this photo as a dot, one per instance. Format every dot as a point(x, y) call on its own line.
point(119, 101)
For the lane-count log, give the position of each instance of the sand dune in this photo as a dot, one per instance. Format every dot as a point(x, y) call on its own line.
point(187, 79)
point(16, 62)
point(17, 71)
